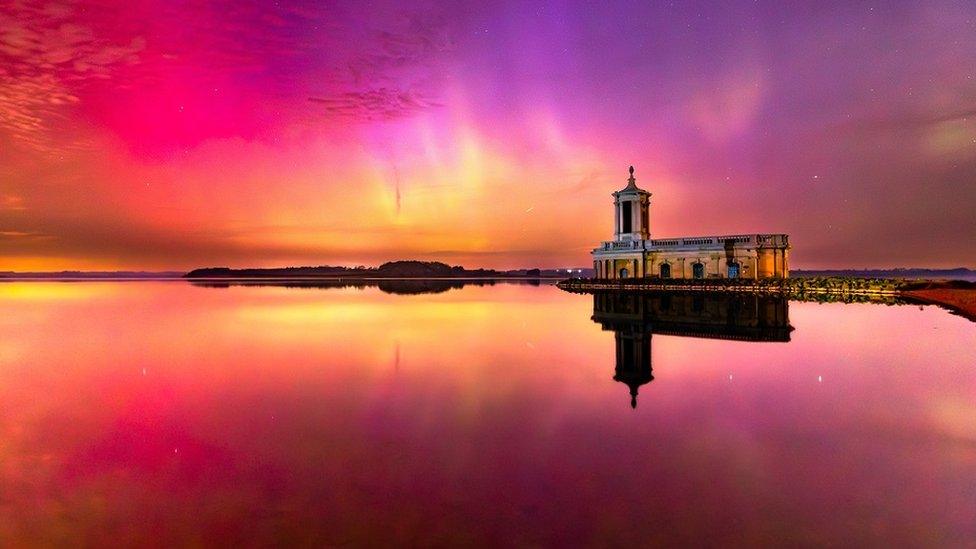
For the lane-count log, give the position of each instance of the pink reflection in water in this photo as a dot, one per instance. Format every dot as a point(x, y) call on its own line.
point(164, 413)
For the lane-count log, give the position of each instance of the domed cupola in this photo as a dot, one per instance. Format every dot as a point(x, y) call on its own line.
point(631, 212)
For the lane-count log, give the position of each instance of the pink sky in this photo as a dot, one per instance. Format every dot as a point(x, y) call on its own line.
point(171, 135)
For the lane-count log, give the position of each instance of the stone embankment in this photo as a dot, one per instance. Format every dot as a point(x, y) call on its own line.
point(957, 296)
point(824, 285)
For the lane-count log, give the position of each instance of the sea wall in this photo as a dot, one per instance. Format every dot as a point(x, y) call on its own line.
point(790, 287)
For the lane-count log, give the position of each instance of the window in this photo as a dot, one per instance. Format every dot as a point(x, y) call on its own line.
point(665, 270)
point(627, 213)
point(733, 270)
point(698, 270)
point(736, 239)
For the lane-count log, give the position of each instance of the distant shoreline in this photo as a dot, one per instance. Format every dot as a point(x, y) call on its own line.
point(181, 277)
point(391, 270)
point(434, 270)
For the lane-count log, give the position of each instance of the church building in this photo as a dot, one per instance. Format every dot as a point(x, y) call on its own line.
point(634, 254)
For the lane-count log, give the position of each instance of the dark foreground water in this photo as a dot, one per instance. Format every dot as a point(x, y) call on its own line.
point(163, 413)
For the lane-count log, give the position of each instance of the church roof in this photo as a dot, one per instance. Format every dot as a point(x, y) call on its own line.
point(632, 185)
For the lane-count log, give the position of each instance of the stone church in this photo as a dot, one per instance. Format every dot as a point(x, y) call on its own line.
point(634, 254)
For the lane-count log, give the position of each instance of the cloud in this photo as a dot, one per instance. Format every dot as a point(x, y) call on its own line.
point(415, 44)
point(375, 104)
point(44, 56)
point(12, 202)
point(911, 119)
point(938, 132)
point(21, 235)
point(963, 115)
point(383, 80)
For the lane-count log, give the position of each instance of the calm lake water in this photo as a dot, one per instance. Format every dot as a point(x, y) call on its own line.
point(165, 413)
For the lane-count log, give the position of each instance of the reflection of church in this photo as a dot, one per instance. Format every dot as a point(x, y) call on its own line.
point(634, 317)
point(634, 254)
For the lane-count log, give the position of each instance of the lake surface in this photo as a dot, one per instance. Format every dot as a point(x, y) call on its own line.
point(166, 413)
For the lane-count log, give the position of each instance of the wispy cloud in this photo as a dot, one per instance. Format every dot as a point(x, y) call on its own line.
point(44, 56)
point(19, 235)
point(392, 76)
point(12, 202)
point(911, 119)
point(375, 104)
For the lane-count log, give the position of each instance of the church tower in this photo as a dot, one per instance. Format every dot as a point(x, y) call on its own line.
point(631, 212)
point(633, 360)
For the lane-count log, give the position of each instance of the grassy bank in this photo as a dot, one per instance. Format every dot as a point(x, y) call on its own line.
point(956, 295)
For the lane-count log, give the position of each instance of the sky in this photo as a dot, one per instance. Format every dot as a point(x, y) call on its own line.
point(152, 134)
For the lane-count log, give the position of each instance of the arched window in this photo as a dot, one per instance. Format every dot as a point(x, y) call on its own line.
point(698, 270)
point(665, 270)
point(733, 270)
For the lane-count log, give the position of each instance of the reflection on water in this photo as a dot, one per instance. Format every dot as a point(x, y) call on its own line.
point(635, 316)
point(402, 286)
point(172, 414)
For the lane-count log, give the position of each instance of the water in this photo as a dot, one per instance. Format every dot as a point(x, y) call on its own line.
point(165, 413)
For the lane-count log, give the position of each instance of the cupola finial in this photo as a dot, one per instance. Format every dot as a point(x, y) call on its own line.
point(631, 181)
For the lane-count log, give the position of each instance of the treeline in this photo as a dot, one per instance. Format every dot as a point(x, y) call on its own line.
point(392, 269)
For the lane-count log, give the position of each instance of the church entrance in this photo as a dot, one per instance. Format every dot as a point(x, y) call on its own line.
point(733, 270)
point(623, 273)
point(665, 270)
point(698, 270)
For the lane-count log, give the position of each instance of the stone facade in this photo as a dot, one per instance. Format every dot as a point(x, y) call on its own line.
point(634, 254)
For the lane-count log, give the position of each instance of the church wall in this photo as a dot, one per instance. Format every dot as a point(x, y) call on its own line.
point(767, 266)
point(758, 256)
point(773, 262)
point(714, 263)
point(632, 264)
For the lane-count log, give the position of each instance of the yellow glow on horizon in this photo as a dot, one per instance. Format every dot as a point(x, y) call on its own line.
point(53, 291)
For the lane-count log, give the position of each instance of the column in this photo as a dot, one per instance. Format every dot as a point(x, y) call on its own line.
point(616, 217)
point(637, 216)
point(635, 204)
